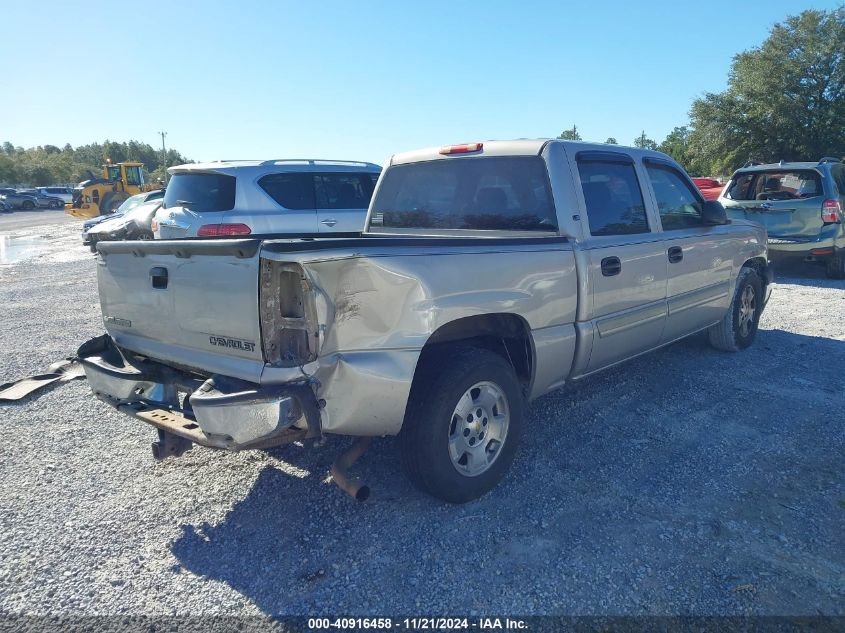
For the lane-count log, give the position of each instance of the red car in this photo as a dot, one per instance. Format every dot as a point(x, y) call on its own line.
point(710, 188)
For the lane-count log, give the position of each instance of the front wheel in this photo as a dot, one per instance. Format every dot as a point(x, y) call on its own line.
point(463, 423)
point(27, 205)
point(737, 329)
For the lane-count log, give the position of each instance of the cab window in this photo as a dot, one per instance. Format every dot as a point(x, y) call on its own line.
point(678, 206)
point(613, 198)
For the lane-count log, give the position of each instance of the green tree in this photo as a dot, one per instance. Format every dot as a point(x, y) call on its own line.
point(611, 141)
point(644, 142)
point(784, 100)
point(571, 135)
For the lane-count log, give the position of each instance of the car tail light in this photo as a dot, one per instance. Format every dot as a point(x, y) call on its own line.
point(154, 226)
point(831, 211)
point(216, 230)
point(464, 148)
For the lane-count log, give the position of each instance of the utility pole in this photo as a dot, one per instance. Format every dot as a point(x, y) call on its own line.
point(164, 155)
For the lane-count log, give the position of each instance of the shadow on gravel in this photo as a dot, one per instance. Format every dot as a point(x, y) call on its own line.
point(688, 482)
point(801, 273)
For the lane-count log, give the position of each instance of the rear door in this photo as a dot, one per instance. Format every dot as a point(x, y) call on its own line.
point(190, 303)
point(284, 204)
point(342, 200)
point(699, 257)
point(788, 202)
point(627, 262)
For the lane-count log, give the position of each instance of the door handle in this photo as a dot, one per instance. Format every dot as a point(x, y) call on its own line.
point(158, 277)
point(676, 254)
point(329, 222)
point(611, 266)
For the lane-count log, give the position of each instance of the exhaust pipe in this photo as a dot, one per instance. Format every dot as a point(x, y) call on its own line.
point(353, 486)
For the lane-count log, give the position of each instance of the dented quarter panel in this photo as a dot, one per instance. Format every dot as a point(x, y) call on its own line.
point(378, 307)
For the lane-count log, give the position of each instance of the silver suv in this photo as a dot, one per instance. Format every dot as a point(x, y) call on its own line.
point(229, 198)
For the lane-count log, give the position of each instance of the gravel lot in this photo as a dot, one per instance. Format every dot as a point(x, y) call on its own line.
point(689, 481)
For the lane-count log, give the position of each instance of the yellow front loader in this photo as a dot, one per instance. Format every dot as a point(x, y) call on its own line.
point(99, 196)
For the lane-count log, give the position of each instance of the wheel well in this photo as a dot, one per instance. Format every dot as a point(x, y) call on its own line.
point(758, 264)
point(505, 334)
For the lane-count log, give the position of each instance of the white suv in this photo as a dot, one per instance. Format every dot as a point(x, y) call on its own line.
point(65, 193)
point(230, 198)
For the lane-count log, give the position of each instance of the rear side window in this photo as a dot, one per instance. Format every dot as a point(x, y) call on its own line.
point(343, 191)
point(678, 206)
point(775, 185)
point(486, 193)
point(201, 192)
point(613, 198)
point(291, 190)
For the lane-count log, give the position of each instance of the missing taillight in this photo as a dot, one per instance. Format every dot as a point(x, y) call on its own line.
point(289, 330)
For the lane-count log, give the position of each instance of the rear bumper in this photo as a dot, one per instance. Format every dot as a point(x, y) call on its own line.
point(830, 237)
point(218, 412)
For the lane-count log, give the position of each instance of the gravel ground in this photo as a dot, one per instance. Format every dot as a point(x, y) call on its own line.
point(688, 481)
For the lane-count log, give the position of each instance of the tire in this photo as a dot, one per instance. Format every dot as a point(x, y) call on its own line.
point(54, 204)
point(111, 201)
point(835, 266)
point(737, 329)
point(442, 429)
point(143, 234)
point(27, 205)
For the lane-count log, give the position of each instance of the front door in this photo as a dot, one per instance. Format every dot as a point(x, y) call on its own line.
point(699, 257)
point(627, 263)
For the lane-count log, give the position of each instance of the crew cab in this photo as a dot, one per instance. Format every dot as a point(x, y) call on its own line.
point(488, 274)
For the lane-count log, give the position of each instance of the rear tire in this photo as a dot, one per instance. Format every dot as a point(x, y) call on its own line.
point(54, 204)
point(27, 205)
point(737, 329)
point(448, 448)
point(835, 266)
point(111, 201)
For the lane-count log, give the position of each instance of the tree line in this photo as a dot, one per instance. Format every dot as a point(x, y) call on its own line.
point(785, 100)
point(50, 164)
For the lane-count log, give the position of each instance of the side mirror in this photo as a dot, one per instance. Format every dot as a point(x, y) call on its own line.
point(713, 213)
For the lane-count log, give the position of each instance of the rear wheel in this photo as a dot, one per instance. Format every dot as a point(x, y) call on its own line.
point(463, 423)
point(143, 234)
point(111, 201)
point(737, 329)
point(27, 205)
point(55, 204)
point(835, 266)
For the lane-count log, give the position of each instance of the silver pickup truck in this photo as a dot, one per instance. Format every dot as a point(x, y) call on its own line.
point(488, 274)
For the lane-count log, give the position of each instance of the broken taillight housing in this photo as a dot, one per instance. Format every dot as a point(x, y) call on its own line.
point(831, 211)
point(287, 300)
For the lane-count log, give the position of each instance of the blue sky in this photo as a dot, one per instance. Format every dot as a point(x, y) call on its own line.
point(363, 80)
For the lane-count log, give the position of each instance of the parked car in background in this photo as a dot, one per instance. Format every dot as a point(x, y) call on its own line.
point(4, 208)
point(128, 205)
point(5, 190)
point(488, 274)
point(64, 193)
point(801, 206)
point(710, 188)
point(132, 225)
point(42, 200)
point(264, 197)
point(17, 200)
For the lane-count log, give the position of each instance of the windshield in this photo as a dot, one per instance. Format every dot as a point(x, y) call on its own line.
point(130, 203)
point(487, 193)
point(201, 192)
point(775, 185)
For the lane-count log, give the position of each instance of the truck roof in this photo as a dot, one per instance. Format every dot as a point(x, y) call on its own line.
point(516, 147)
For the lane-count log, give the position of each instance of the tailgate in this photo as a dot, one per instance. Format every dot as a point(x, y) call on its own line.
point(189, 302)
point(782, 218)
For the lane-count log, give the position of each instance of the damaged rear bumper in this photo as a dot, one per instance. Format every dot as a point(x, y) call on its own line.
point(217, 412)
